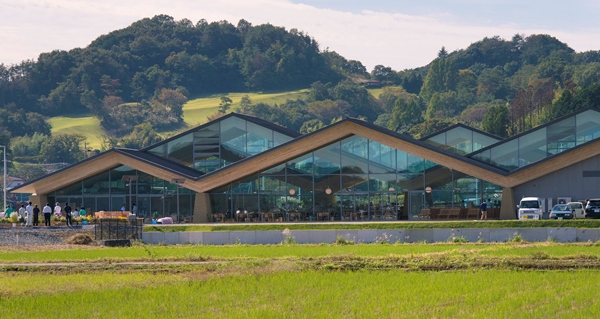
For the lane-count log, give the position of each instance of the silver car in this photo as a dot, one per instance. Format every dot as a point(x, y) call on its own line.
point(578, 208)
point(562, 211)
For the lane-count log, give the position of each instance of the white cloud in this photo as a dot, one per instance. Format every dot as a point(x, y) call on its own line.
point(29, 27)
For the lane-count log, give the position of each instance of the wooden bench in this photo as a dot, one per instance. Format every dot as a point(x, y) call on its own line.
point(444, 213)
point(473, 213)
point(454, 213)
point(425, 214)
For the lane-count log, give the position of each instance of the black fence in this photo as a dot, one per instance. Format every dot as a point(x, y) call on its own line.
point(117, 229)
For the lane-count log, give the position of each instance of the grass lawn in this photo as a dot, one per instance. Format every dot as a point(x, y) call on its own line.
point(450, 280)
point(88, 126)
point(195, 112)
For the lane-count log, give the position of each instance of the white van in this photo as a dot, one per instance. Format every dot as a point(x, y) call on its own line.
point(531, 208)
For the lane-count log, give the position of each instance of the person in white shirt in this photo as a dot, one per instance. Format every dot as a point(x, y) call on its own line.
point(57, 210)
point(47, 213)
point(29, 210)
point(22, 213)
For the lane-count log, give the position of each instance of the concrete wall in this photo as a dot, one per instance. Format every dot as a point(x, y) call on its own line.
point(562, 235)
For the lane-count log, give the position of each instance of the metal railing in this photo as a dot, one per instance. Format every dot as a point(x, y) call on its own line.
point(112, 228)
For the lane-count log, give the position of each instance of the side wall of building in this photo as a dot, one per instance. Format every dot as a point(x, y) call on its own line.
point(579, 182)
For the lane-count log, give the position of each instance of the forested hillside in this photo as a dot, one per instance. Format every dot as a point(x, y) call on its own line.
point(136, 81)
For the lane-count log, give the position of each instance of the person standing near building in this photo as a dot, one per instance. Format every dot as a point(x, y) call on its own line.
point(68, 215)
point(22, 213)
point(82, 212)
point(36, 216)
point(57, 210)
point(123, 208)
point(47, 210)
point(483, 209)
point(8, 211)
point(29, 210)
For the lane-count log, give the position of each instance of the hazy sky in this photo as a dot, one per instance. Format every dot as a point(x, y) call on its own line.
point(401, 34)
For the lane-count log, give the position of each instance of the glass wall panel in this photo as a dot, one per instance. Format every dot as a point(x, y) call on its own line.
point(410, 181)
point(327, 159)
point(437, 140)
point(160, 150)
point(206, 149)
point(90, 204)
point(401, 161)
point(275, 170)
point(382, 182)
point(272, 185)
point(561, 136)
point(73, 189)
point(233, 139)
point(588, 126)
point(459, 140)
point(506, 155)
point(97, 184)
point(180, 150)
point(481, 141)
point(415, 164)
point(117, 184)
point(355, 183)
point(260, 138)
point(382, 158)
point(279, 138)
point(220, 206)
point(301, 165)
point(354, 155)
point(103, 203)
point(483, 156)
point(532, 147)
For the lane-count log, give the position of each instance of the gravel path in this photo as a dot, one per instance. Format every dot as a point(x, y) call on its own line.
point(40, 235)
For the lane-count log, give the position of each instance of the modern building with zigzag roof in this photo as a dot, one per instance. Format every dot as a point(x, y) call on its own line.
point(241, 168)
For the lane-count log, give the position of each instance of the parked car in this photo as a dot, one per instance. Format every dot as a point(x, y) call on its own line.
point(531, 208)
point(579, 209)
point(592, 208)
point(562, 211)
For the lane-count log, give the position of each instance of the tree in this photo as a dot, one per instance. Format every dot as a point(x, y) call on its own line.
point(406, 113)
point(245, 103)
point(62, 149)
point(311, 126)
point(429, 127)
point(225, 104)
point(442, 53)
point(143, 135)
point(496, 121)
point(442, 77)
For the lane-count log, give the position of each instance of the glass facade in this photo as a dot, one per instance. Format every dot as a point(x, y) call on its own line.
point(220, 143)
point(109, 190)
point(352, 179)
point(461, 140)
point(543, 142)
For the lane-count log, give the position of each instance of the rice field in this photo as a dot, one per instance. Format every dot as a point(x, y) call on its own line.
point(447, 280)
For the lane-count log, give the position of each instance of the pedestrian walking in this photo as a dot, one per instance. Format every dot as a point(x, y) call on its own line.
point(47, 210)
point(36, 215)
point(68, 216)
point(483, 209)
point(29, 211)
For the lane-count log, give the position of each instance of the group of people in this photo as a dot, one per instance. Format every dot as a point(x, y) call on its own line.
point(29, 215)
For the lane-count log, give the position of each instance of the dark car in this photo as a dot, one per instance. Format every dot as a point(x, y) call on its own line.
point(562, 211)
point(592, 208)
